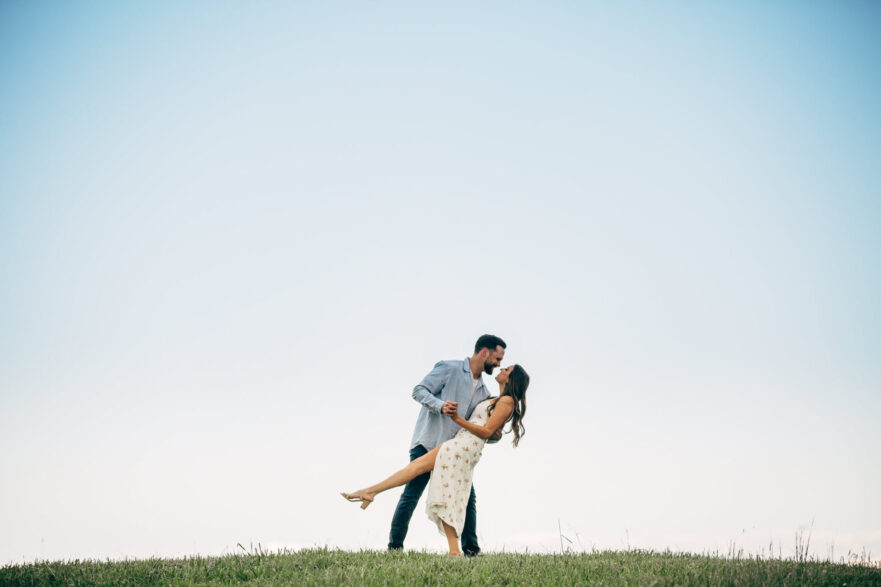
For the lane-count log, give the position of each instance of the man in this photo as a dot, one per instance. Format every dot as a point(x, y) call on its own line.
point(452, 386)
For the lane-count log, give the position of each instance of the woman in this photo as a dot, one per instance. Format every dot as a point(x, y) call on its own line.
point(452, 463)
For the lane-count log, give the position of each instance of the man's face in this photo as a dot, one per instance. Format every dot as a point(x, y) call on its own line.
point(493, 359)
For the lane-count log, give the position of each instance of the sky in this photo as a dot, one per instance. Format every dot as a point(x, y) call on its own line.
point(234, 237)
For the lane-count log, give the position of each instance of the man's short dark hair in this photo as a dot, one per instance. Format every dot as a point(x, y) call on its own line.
point(489, 341)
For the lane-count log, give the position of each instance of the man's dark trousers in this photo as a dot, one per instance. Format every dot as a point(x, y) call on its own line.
point(410, 497)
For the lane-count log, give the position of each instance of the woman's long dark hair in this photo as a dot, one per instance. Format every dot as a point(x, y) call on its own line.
point(518, 381)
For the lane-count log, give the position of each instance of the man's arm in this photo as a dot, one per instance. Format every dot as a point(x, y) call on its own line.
point(428, 391)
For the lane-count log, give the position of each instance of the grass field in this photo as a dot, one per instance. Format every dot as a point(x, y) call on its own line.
point(334, 567)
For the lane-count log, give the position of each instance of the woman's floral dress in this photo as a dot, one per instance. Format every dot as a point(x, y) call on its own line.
point(450, 484)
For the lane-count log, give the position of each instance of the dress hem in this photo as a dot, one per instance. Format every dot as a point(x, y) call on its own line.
point(434, 514)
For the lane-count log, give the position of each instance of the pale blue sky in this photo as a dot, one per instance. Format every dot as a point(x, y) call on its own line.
point(234, 236)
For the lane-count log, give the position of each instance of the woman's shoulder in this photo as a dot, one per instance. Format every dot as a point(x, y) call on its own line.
point(505, 400)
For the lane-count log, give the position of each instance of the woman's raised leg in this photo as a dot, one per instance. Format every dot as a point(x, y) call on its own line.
point(417, 467)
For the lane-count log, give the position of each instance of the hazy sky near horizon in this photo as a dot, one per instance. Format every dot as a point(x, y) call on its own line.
point(234, 236)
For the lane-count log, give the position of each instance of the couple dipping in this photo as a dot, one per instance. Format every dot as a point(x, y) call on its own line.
point(457, 418)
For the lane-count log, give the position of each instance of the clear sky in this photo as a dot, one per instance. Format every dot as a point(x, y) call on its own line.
point(234, 236)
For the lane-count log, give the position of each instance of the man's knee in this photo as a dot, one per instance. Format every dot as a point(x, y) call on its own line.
point(410, 495)
point(414, 488)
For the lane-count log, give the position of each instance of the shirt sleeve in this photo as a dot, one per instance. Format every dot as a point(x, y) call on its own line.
point(428, 390)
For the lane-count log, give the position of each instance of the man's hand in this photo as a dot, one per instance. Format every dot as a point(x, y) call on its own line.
point(497, 436)
point(450, 408)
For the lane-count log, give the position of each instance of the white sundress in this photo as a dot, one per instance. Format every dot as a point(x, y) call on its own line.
point(450, 485)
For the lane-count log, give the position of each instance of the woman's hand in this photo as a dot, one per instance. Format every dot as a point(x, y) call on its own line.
point(497, 436)
point(451, 409)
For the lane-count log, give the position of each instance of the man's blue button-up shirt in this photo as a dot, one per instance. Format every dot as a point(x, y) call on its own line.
point(449, 381)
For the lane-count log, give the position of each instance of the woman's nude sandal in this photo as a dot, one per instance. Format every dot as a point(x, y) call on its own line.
point(352, 497)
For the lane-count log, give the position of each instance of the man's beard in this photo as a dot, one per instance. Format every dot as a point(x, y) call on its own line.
point(488, 369)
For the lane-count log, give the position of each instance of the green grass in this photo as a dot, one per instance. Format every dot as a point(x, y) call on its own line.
point(335, 567)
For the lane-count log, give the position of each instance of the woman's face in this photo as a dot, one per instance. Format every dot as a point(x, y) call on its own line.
point(502, 377)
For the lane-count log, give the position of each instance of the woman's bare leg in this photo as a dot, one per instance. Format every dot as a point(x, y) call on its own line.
point(417, 467)
point(452, 539)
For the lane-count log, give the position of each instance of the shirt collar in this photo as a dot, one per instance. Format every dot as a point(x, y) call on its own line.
point(467, 368)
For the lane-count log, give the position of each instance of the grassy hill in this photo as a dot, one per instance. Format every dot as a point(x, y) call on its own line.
point(333, 567)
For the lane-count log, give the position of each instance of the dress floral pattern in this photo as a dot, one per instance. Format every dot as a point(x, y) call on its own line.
point(450, 485)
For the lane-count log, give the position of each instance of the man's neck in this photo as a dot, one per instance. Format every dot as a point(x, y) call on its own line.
point(476, 367)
